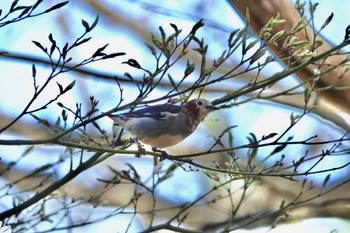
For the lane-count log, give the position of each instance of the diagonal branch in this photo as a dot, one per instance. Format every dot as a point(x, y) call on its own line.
point(331, 101)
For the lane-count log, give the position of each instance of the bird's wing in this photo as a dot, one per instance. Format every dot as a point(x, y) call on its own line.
point(159, 112)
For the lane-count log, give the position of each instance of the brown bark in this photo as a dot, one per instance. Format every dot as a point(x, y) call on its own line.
point(262, 11)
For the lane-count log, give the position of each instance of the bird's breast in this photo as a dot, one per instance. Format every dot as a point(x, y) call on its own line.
point(162, 141)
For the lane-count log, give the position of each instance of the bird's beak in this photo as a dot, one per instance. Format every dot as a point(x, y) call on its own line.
point(212, 108)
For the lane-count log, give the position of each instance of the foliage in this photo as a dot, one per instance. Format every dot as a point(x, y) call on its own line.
point(231, 180)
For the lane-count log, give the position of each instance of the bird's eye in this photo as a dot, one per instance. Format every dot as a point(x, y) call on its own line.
point(200, 103)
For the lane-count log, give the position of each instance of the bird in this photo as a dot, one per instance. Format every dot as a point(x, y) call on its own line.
point(161, 126)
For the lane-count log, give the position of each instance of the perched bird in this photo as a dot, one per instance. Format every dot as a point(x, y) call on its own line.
point(163, 125)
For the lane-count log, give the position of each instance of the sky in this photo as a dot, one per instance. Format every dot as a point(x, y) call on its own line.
point(16, 84)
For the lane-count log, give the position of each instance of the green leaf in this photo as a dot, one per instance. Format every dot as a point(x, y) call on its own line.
point(230, 38)
point(251, 45)
point(276, 36)
point(230, 138)
point(328, 20)
point(172, 168)
point(37, 4)
point(325, 181)
point(33, 71)
point(238, 37)
point(151, 48)
point(86, 25)
point(64, 115)
point(40, 46)
point(172, 82)
point(58, 122)
point(198, 25)
point(133, 63)
point(271, 135)
point(70, 86)
point(300, 25)
point(209, 70)
point(170, 41)
point(244, 42)
point(252, 139)
point(39, 171)
point(247, 15)
point(82, 41)
point(303, 184)
point(156, 42)
point(278, 149)
point(60, 87)
point(166, 52)
point(299, 6)
point(162, 33)
point(311, 185)
point(133, 169)
point(200, 50)
point(25, 11)
point(113, 170)
point(59, 5)
point(129, 76)
point(13, 5)
point(190, 68)
point(28, 150)
point(99, 51)
point(53, 42)
point(65, 51)
point(307, 93)
point(228, 129)
point(257, 56)
point(41, 121)
point(113, 55)
point(93, 25)
point(281, 147)
point(51, 38)
point(174, 27)
point(347, 34)
point(312, 8)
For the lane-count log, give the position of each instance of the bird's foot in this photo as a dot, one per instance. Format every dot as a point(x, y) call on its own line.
point(163, 154)
point(141, 150)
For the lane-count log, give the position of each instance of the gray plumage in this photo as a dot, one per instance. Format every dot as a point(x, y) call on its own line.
point(164, 125)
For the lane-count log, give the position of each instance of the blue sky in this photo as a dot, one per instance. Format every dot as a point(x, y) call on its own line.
point(65, 25)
